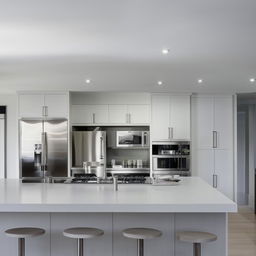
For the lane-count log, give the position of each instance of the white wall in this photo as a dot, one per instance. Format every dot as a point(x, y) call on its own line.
point(10, 100)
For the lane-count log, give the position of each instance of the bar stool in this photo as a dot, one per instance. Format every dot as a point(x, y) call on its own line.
point(80, 234)
point(21, 234)
point(196, 238)
point(141, 234)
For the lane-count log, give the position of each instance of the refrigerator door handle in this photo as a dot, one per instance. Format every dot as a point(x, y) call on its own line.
point(44, 151)
point(101, 148)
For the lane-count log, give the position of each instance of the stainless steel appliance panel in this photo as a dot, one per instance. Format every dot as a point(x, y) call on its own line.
point(90, 147)
point(30, 148)
point(132, 139)
point(56, 147)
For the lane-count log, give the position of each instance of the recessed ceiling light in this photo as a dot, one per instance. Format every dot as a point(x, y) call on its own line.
point(165, 51)
point(200, 80)
point(88, 81)
point(252, 80)
point(160, 83)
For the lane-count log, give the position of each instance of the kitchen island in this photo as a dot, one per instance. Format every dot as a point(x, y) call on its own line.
point(191, 205)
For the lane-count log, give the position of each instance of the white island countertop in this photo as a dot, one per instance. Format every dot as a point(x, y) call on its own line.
point(191, 195)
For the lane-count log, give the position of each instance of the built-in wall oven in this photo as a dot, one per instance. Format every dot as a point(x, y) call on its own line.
point(171, 158)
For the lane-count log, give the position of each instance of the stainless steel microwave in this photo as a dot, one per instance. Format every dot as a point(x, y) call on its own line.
point(130, 139)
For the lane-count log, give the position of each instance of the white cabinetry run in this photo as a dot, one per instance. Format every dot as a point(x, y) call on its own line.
point(212, 141)
point(50, 105)
point(110, 109)
point(170, 117)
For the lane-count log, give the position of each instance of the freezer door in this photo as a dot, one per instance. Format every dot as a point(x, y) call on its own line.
point(30, 148)
point(56, 147)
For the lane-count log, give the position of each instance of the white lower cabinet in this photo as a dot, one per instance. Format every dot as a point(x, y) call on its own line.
point(224, 171)
point(204, 167)
point(113, 243)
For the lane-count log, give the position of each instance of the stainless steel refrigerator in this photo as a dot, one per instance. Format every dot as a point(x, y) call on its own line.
point(89, 152)
point(43, 148)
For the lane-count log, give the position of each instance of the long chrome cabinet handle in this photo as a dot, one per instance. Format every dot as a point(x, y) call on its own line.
point(214, 138)
point(93, 118)
point(215, 181)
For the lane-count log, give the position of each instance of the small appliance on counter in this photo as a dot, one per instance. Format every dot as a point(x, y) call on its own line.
point(171, 158)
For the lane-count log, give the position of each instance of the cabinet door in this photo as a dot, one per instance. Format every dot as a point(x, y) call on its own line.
point(160, 112)
point(180, 117)
point(81, 114)
point(100, 114)
point(139, 114)
point(224, 171)
point(223, 125)
point(202, 118)
point(31, 105)
point(57, 105)
point(203, 164)
point(117, 114)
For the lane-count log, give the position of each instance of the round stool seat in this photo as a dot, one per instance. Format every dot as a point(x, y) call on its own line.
point(24, 232)
point(141, 233)
point(196, 237)
point(82, 233)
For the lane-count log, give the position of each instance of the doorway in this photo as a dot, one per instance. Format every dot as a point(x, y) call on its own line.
point(246, 149)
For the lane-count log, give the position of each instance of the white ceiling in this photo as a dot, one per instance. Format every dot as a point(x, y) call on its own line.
point(117, 44)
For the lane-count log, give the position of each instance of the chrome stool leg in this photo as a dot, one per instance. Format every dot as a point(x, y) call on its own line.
point(140, 247)
point(21, 246)
point(197, 249)
point(80, 247)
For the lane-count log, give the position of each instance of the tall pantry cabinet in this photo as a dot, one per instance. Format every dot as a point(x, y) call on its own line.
point(212, 141)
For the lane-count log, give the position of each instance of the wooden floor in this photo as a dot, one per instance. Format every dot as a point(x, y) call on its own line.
point(242, 233)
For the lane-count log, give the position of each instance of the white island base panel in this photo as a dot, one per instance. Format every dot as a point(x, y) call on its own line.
point(112, 243)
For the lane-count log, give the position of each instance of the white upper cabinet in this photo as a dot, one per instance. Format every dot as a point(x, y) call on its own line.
point(139, 114)
point(31, 105)
point(160, 112)
point(57, 105)
point(213, 122)
point(223, 122)
point(180, 117)
point(170, 117)
point(89, 114)
point(43, 105)
point(118, 114)
point(203, 127)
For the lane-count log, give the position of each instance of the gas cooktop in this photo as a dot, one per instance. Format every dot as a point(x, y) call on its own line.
point(122, 179)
